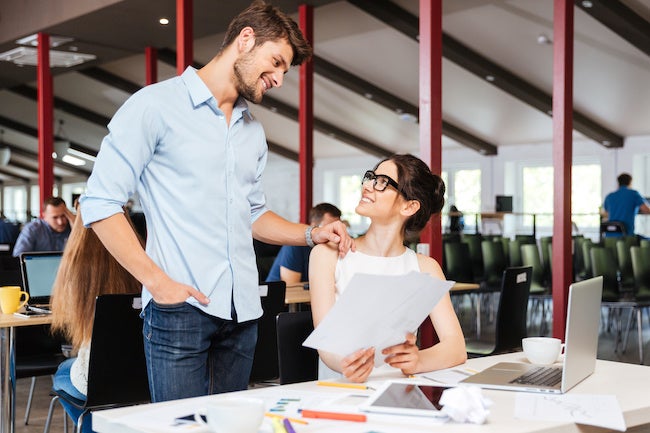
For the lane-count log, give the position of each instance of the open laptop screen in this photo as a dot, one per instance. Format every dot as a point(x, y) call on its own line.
point(39, 271)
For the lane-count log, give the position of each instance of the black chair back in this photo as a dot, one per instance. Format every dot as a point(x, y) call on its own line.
point(513, 309)
point(297, 363)
point(117, 373)
point(265, 361)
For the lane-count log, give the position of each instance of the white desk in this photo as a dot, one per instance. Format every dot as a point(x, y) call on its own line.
point(629, 382)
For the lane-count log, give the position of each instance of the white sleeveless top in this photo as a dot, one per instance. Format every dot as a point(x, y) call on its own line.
point(359, 263)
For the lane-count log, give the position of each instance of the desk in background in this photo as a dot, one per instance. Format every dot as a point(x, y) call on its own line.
point(626, 381)
point(8, 323)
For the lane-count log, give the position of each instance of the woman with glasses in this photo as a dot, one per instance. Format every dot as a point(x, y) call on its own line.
point(399, 196)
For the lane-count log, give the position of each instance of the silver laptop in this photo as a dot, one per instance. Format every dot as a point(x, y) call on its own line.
point(581, 341)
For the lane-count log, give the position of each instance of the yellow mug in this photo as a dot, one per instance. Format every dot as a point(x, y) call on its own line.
point(10, 299)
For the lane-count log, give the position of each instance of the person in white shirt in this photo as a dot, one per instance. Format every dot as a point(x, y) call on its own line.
point(399, 196)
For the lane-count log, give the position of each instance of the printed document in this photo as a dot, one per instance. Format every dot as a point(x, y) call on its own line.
point(377, 311)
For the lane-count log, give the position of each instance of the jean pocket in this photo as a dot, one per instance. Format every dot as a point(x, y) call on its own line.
point(175, 305)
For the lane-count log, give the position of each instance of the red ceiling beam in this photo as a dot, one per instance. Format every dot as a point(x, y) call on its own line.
point(45, 108)
point(184, 35)
point(562, 155)
point(306, 117)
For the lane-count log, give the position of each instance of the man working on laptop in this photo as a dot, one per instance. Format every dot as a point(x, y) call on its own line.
point(49, 233)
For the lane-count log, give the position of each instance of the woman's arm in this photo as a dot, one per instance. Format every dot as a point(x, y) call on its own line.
point(322, 265)
point(448, 352)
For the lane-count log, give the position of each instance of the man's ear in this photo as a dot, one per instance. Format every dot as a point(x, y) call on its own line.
point(246, 39)
point(410, 208)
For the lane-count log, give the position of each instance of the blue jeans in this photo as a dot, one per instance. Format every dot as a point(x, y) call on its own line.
point(190, 353)
point(62, 382)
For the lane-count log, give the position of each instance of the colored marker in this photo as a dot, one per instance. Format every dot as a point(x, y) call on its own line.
point(288, 426)
point(342, 385)
point(277, 426)
point(295, 420)
point(334, 415)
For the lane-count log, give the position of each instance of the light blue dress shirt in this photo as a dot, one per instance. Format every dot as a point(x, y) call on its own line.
point(199, 182)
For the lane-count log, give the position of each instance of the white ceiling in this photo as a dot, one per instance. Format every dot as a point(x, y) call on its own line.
point(611, 78)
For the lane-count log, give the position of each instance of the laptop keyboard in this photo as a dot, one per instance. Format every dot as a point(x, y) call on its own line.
point(543, 376)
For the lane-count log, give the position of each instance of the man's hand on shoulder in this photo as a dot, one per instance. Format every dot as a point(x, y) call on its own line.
point(334, 232)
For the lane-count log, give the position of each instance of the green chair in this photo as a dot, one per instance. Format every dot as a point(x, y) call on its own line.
point(640, 258)
point(610, 243)
point(494, 263)
point(579, 269)
point(604, 263)
point(545, 243)
point(625, 265)
point(473, 241)
point(540, 297)
point(457, 261)
point(645, 243)
point(587, 245)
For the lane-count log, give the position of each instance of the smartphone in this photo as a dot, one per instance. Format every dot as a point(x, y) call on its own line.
point(29, 313)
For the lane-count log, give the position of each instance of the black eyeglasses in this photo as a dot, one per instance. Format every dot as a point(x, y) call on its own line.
point(379, 181)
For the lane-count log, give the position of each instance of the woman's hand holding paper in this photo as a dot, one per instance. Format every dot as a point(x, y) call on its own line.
point(404, 356)
point(357, 366)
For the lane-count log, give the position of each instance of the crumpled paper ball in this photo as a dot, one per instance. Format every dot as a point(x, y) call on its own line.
point(465, 404)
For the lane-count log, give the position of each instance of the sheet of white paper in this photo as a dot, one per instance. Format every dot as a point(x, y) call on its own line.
point(377, 311)
point(450, 376)
point(598, 410)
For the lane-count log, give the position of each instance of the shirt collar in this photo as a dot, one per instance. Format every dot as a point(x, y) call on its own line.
point(199, 92)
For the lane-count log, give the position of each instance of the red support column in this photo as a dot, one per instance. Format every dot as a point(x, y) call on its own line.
point(431, 123)
point(151, 65)
point(562, 155)
point(306, 117)
point(45, 120)
point(184, 35)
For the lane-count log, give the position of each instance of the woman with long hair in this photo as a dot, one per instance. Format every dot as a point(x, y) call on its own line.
point(87, 270)
point(399, 196)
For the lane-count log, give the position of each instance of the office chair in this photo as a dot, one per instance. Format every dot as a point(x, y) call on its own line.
point(117, 373)
point(511, 315)
point(265, 360)
point(296, 362)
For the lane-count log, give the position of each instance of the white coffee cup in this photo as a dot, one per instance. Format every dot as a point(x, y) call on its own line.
point(542, 350)
point(232, 415)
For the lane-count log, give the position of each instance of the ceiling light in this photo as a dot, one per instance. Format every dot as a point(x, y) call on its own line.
point(163, 21)
point(29, 56)
point(490, 78)
point(368, 95)
point(542, 39)
point(81, 154)
point(606, 143)
point(55, 41)
point(587, 3)
point(72, 160)
point(408, 117)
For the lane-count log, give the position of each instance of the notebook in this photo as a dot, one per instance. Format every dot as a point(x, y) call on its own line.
point(581, 341)
point(38, 271)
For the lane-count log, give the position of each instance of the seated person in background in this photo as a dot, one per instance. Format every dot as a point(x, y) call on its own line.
point(292, 262)
point(399, 195)
point(49, 233)
point(87, 270)
point(456, 220)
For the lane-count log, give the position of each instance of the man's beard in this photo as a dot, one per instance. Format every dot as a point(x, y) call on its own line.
point(247, 90)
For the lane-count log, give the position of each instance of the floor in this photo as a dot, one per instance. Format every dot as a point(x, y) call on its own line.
point(606, 350)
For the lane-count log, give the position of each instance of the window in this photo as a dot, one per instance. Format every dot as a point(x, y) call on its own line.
point(464, 191)
point(15, 198)
point(585, 195)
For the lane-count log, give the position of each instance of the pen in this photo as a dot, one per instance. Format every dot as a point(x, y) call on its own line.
point(342, 385)
point(334, 415)
point(288, 426)
point(296, 420)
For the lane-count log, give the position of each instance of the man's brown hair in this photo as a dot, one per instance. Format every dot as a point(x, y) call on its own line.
point(269, 24)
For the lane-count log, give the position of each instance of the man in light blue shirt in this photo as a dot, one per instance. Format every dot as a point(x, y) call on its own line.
point(192, 150)
point(624, 203)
